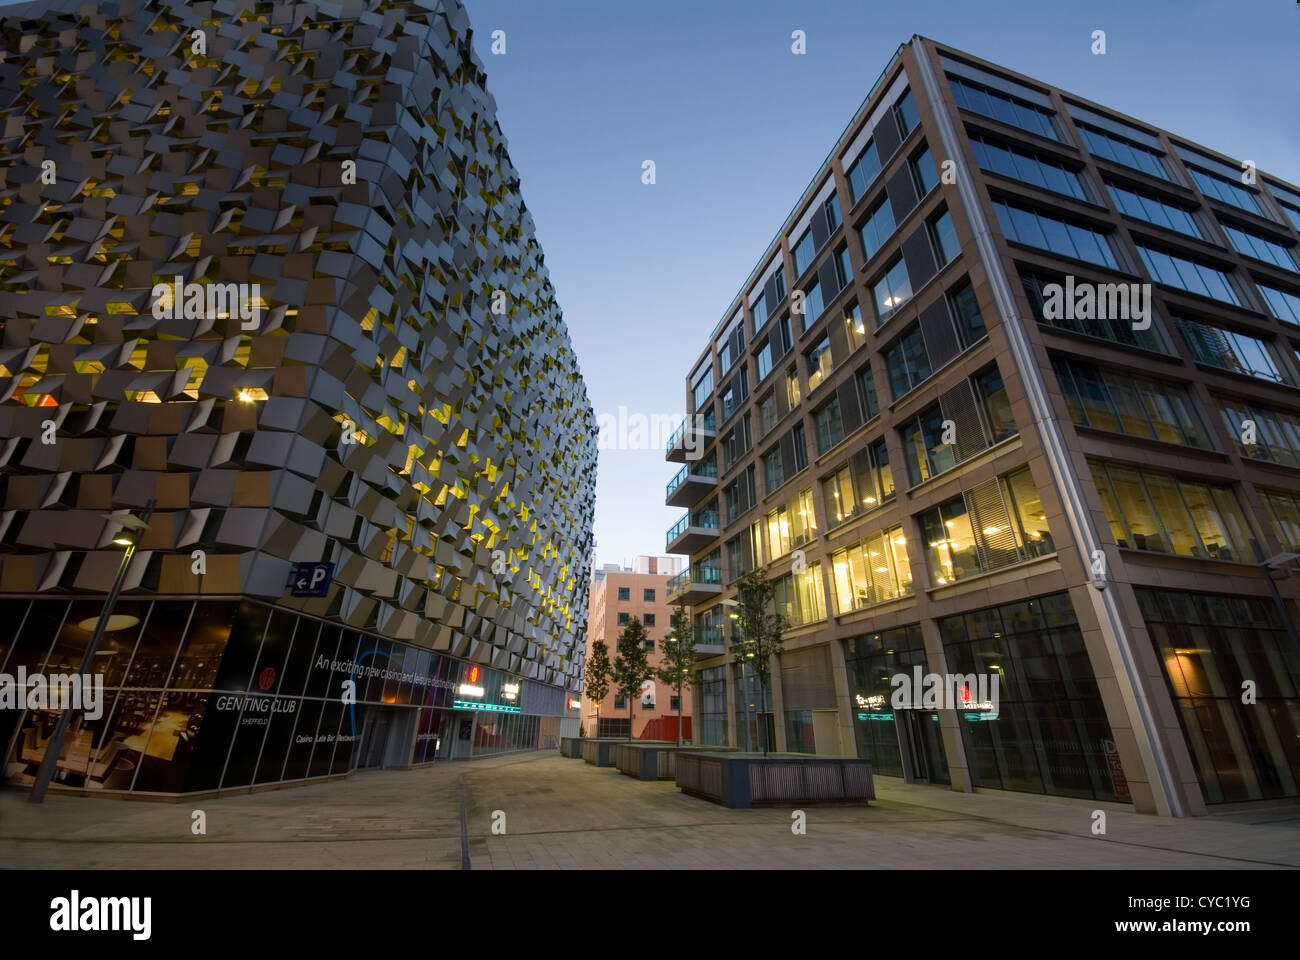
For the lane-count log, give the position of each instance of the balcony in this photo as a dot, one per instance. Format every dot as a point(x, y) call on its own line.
point(693, 532)
point(695, 585)
point(709, 641)
point(691, 484)
point(690, 439)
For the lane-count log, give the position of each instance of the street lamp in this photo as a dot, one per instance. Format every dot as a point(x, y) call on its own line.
point(132, 531)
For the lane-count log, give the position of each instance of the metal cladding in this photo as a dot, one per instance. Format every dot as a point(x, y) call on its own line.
point(383, 378)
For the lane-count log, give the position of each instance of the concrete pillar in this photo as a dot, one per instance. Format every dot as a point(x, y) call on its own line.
point(958, 769)
point(845, 707)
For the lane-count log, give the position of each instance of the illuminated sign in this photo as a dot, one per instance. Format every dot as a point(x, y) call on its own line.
point(875, 704)
point(491, 707)
point(574, 704)
point(469, 686)
point(977, 709)
point(510, 691)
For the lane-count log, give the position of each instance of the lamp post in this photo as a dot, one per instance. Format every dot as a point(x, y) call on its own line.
point(133, 529)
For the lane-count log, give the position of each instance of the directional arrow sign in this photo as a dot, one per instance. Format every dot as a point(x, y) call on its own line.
point(311, 579)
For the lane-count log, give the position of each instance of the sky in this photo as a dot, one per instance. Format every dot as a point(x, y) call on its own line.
point(737, 124)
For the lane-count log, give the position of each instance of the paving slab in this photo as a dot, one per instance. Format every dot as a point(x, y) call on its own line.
point(557, 813)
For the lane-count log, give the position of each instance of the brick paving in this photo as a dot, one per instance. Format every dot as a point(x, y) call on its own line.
point(566, 814)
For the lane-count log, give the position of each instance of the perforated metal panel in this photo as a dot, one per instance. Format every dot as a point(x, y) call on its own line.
point(806, 680)
point(346, 158)
point(960, 406)
point(919, 255)
point(995, 538)
point(940, 339)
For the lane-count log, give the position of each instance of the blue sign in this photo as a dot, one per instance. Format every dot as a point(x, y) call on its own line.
point(479, 705)
point(311, 579)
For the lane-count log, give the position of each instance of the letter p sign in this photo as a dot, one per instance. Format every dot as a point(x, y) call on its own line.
point(312, 579)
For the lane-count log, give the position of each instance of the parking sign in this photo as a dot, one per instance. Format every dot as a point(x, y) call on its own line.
point(311, 579)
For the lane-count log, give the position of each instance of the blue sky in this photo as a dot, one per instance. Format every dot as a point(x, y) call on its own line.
point(737, 125)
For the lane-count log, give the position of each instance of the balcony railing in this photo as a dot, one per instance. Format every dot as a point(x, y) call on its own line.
point(710, 635)
point(700, 468)
point(693, 422)
point(678, 434)
point(707, 519)
point(707, 575)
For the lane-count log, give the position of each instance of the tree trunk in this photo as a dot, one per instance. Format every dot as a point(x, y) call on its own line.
point(679, 713)
point(631, 715)
point(762, 708)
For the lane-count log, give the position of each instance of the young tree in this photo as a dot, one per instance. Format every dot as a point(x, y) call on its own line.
point(598, 677)
point(678, 661)
point(631, 667)
point(758, 634)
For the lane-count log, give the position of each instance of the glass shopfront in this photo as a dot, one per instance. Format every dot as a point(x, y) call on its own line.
point(1211, 648)
point(712, 698)
point(208, 694)
point(755, 720)
point(872, 660)
point(1049, 733)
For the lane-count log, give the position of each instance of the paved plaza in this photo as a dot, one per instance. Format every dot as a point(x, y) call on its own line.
point(562, 813)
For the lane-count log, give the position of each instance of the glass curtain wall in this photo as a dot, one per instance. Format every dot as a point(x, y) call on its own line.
point(213, 694)
point(1049, 733)
point(1210, 646)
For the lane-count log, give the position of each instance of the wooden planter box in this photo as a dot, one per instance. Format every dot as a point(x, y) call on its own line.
point(599, 751)
point(652, 761)
point(742, 780)
point(602, 752)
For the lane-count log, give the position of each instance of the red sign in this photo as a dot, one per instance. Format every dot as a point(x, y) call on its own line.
point(267, 680)
point(472, 675)
point(1116, 769)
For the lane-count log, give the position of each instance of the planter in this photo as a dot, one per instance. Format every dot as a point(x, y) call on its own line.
point(652, 761)
point(743, 780)
point(599, 751)
point(603, 752)
point(571, 747)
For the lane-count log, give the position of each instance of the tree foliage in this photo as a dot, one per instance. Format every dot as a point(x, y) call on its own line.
point(677, 665)
point(599, 675)
point(631, 666)
point(759, 632)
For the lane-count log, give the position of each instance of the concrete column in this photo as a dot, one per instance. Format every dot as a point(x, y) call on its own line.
point(845, 707)
point(958, 769)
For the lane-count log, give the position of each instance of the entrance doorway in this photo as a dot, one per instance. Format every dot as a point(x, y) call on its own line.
point(460, 742)
point(375, 731)
point(929, 760)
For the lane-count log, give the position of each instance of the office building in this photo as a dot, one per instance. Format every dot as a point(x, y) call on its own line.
point(945, 417)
